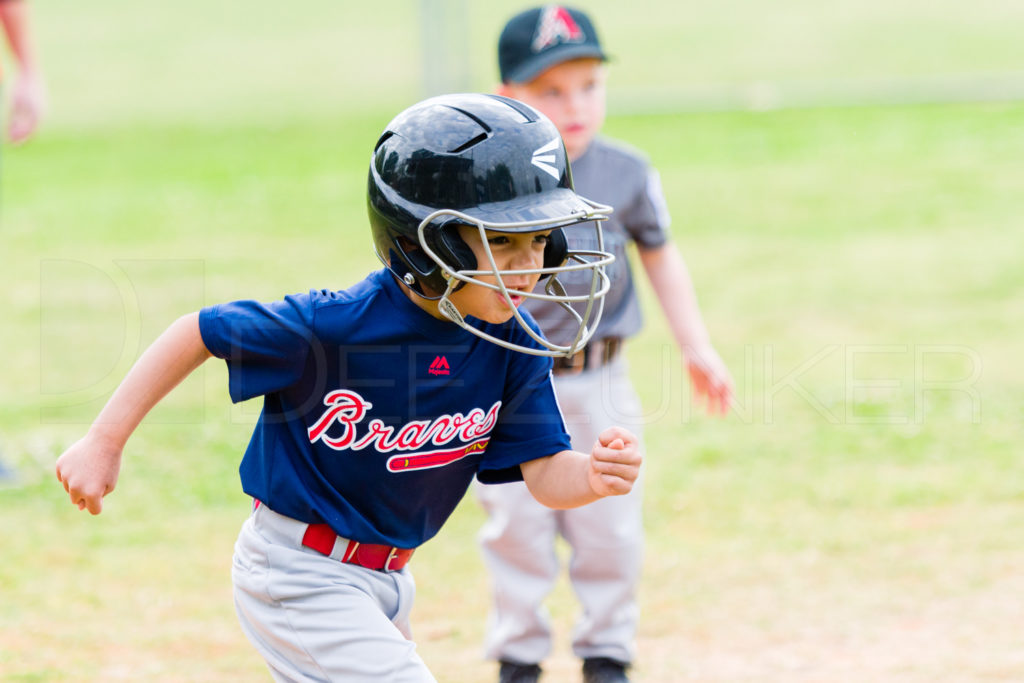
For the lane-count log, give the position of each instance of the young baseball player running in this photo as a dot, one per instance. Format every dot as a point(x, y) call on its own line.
point(550, 57)
point(383, 401)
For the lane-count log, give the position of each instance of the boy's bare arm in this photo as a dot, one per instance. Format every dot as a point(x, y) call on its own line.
point(673, 286)
point(89, 468)
point(570, 479)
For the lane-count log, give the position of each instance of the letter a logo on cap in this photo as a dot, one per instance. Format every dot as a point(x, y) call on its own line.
point(556, 25)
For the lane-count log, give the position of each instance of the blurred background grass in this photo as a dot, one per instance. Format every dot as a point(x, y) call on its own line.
point(852, 221)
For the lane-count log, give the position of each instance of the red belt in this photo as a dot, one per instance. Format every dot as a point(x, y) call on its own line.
point(321, 538)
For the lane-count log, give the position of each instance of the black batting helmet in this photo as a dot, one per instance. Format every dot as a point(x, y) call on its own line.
point(483, 160)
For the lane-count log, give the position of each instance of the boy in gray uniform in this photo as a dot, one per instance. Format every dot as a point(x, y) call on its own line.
point(550, 58)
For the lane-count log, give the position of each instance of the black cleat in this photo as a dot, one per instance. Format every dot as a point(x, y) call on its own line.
point(604, 670)
point(513, 672)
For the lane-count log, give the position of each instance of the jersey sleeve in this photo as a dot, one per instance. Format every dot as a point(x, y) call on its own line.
point(646, 217)
point(530, 423)
point(265, 346)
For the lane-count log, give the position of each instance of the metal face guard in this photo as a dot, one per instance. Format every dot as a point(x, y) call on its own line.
point(595, 261)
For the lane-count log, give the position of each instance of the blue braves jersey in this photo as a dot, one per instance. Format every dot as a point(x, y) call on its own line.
point(376, 415)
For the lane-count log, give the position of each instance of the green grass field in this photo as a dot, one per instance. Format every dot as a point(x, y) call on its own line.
point(854, 519)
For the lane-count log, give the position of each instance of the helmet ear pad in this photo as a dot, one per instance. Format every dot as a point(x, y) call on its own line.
point(446, 242)
point(557, 250)
point(453, 250)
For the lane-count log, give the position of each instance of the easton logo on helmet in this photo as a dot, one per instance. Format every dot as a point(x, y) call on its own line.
point(556, 25)
point(542, 160)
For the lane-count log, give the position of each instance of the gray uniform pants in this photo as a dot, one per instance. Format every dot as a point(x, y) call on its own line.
point(606, 539)
point(314, 618)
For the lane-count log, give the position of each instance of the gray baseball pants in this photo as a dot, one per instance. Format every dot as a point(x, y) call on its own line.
point(314, 618)
point(605, 537)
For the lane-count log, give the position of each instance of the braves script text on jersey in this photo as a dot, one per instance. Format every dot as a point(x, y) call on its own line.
point(376, 415)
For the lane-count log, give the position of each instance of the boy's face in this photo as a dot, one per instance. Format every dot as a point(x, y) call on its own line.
point(511, 251)
point(572, 95)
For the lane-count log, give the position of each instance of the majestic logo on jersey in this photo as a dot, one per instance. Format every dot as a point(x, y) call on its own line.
point(543, 160)
point(439, 366)
point(555, 25)
point(338, 429)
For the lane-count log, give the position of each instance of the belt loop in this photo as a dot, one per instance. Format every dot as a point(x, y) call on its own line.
point(350, 551)
point(610, 349)
point(391, 555)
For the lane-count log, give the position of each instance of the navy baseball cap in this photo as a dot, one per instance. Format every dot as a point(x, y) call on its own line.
point(539, 38)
